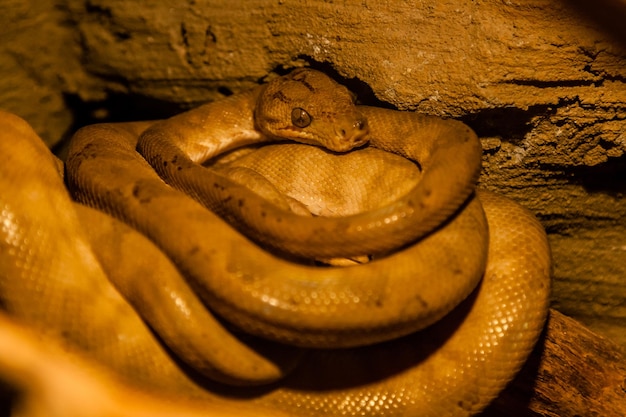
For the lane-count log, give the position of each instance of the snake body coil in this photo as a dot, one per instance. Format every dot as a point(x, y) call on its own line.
point(63, 264)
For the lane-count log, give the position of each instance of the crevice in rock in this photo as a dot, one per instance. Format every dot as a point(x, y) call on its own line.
point(364, 93)
point(225, 91)
point(607, 15)
point(510, 123)
point(121, 108)
point(185, 40)
point(607, 178)
point(105, 18)
point(115, 108)
point(571, 224)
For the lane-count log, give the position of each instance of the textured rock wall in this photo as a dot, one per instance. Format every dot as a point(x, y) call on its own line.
point(541, 81)
point(38, 61)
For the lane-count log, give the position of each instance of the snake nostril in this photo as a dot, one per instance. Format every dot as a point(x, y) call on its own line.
point(360, 124)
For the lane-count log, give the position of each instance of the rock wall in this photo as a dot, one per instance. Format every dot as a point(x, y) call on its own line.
point(541, 81)
point(39, 61)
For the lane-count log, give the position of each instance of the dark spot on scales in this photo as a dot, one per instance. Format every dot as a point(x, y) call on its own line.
point(307, 85)
point(179, 168)
point(272, 120)
point(248, 278)
point(88, 152)
point(421, 301)
point(240, 203)
point(416, 204)
point(175, 159)
point(137, 194)
point(279, 95)
point(301, 77)
point(466, 406)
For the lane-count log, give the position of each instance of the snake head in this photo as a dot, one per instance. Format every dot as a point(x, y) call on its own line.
point(309, 107)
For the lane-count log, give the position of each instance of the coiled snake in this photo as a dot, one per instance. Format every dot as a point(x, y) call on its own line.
point(290, 337)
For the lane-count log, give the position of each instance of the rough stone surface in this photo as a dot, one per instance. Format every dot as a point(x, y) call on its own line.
point(541, 81)
point(40, 65)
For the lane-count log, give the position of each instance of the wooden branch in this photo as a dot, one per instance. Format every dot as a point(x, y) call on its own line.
point(572, 372)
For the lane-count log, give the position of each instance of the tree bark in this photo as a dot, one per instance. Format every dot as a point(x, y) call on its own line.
point(571, 373)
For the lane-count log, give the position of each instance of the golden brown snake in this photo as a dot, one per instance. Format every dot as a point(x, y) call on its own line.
point(453, 368)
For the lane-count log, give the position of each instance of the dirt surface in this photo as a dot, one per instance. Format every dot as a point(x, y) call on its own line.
point(541, 81)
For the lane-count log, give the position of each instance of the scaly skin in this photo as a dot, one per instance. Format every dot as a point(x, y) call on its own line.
point(52, 282)
point(448, 152)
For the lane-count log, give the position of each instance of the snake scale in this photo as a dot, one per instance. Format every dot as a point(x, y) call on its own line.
point(435, 324)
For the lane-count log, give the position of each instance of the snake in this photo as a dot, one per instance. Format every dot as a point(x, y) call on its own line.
point(191, 270)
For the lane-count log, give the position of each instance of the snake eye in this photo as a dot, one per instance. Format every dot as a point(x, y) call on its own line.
point(300, 117)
